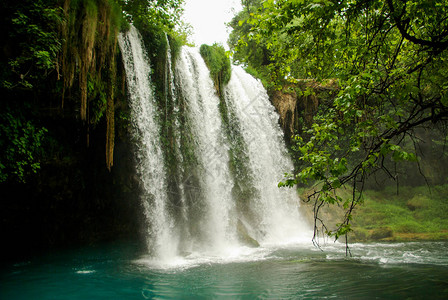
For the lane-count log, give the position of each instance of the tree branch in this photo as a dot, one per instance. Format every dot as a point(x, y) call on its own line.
point(436, 44)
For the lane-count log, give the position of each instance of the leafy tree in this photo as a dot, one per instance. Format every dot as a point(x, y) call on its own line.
point(30, 50)
point(389, 59)
point(20, 145)
point(253, 53)
point(30, 42)
point(159, 13)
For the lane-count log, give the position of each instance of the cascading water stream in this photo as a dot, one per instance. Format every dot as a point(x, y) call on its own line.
point(161, 238)
point(171, 94)
point(216, 231)
point(277, 209)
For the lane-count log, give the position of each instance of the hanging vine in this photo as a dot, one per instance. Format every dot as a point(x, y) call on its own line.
point(89, 32)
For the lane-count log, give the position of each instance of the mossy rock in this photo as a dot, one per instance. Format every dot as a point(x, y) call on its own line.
point(381, 233)
point(359, 235)
point(418, 202)
point(244, 236)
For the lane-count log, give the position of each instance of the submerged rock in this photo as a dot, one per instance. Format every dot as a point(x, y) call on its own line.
point(244, 236)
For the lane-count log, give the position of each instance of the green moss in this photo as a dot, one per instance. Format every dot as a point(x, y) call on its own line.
point(218, 62)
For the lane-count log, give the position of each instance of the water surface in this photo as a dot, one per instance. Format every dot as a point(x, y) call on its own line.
point(121, 271)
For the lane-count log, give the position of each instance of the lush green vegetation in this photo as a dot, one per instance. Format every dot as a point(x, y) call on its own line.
point(390, 214)
point(254, 54)
point(20, 146)
point(164, 14)
point(413, 213)
point(62, 57)
point(30, 50)
point(390, 61)
point(218, 63)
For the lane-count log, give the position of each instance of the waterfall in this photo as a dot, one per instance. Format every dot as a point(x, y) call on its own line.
point(208, 166)
point(276, 210)
point(211, 151)
point(149, 155)
point(171, 99)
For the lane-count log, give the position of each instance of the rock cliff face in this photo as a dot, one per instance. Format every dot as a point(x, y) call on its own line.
point(297, 105)
point(287, 107)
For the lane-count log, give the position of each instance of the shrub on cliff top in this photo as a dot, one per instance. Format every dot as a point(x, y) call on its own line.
point(218, 62)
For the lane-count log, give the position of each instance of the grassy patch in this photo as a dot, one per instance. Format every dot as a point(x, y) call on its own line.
point(414, 213)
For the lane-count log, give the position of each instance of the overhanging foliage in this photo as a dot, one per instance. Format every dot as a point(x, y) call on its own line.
point(390, 61)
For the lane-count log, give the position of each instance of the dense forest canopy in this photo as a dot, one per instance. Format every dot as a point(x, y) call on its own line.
point(389, 60)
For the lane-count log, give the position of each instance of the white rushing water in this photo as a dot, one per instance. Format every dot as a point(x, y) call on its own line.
point(211, 150)
point(268, 160)
point(207, 216)
point(149, 155)
point(171, 94)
